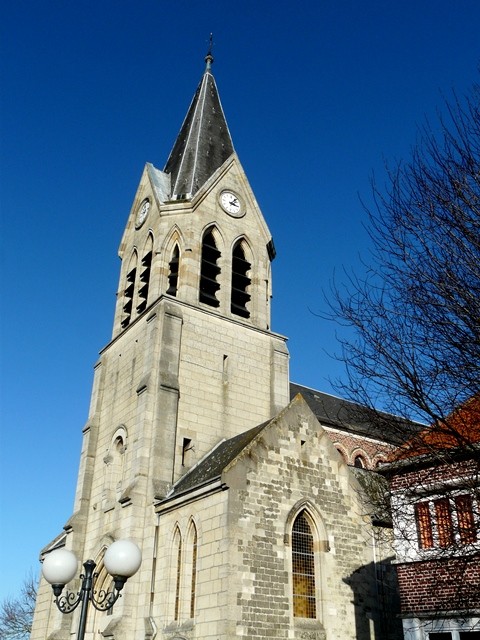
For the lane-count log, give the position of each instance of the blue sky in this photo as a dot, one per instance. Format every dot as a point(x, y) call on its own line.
point(317, 96)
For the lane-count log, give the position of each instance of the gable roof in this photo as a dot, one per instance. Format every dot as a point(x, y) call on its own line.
point(350, 417)
point(328, 410)
point(207, 474)
point(212, 466)
point(204, 141)
point(461, 430)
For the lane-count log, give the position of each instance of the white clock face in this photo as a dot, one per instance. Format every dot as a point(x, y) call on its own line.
point(142, 213)
point(231, 203)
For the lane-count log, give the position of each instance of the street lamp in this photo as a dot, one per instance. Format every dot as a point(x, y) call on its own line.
point(122, 559)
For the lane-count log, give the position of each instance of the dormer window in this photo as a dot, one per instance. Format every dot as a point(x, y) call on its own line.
point(209, 271)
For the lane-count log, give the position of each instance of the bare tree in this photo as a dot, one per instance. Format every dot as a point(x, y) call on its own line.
point(416, 313)
point(415, 352)
point(16, 614)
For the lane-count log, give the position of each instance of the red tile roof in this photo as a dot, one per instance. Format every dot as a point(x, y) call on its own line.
point(460, 429)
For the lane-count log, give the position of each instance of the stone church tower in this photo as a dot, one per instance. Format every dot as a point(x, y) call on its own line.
point(250, 522)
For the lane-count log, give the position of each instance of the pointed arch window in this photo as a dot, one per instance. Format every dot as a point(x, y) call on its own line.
point(303, 568)
point(178, 572)
point(240, 282)
point(209, 270)
point(173, 266)
point(145, 276)
point(118, 463)
point(193, 585)
point(129, 291)
point(114, 460)
point(104, 582)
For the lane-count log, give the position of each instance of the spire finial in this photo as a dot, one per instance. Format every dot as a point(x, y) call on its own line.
point(209, 56)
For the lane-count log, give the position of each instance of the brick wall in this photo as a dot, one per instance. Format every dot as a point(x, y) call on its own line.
point(439, 585)
point(434, 475)
point(350, 446)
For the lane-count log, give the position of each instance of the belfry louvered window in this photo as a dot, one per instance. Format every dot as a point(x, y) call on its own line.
point(129, 292)
point(209, 271)
point(144, 282)
point(303, 568)
point(173, 266)
point(240, 282)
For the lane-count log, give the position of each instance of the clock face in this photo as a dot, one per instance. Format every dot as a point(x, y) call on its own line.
point(142, 213)
point(231, 204)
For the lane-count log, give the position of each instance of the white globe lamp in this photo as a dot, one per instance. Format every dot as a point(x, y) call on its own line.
point(59, 566)
point(122, 558)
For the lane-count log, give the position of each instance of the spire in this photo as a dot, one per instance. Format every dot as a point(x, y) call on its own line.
point(204, 141)
point(209, 56)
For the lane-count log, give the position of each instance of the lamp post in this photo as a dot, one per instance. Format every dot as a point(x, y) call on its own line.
point(122, 559)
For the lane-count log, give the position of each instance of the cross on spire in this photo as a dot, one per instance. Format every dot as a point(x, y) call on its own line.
point(209, 56)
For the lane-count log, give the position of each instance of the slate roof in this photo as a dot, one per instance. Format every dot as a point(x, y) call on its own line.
point(160, 182)
point(212, 466)
point(353, 418)
point(204, 141)
point(329, 410)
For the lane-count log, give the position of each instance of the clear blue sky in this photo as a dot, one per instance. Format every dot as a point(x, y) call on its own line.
point(317, 94)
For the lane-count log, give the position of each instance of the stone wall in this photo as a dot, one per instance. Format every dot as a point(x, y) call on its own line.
point(291, 466)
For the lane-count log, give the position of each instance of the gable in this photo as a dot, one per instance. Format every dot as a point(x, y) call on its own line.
point(295, 441)
point(295, 431)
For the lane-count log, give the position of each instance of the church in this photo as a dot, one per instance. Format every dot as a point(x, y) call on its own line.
point(243, 491)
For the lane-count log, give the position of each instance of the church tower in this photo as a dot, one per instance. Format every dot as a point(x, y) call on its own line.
point(192, 360)
point(250, 521)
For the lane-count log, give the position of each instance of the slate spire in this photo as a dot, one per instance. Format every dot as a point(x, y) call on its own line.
point(204, 141)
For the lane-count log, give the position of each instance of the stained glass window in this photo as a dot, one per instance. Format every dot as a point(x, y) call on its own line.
point(304, 605)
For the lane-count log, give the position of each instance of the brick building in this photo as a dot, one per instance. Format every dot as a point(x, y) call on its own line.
point(435, 492)
point(241, 489)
